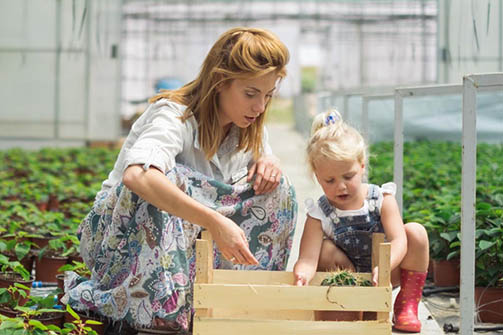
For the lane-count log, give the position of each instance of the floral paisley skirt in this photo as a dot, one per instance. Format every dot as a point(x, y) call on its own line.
point(143, 260)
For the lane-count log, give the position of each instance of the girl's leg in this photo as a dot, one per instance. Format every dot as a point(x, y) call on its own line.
point(411, 275)
point(331, 258)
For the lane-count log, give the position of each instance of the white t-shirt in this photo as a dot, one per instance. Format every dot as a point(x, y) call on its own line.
point(314, 210)
point(159, 138)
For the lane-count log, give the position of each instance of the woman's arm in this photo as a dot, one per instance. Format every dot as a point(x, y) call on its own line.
point(153, 186)
point(309, 252)
point(394, 229)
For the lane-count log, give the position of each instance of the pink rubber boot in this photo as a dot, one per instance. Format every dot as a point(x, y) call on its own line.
point(405, 308)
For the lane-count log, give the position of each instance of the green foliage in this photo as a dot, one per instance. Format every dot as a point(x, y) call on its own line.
point(78, 267)
point(432, 197)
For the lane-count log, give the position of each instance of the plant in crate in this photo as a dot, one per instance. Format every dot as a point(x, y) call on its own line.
point(342, 277)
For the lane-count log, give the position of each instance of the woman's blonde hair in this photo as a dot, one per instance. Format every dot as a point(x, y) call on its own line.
point(239, 53)
point(332, 138)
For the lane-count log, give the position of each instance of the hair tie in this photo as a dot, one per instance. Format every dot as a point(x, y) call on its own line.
point(332, 118)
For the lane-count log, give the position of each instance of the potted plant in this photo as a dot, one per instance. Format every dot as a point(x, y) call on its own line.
point(11, 297)
point(12, 273)
point(489, 264)
point(342, 278)
point(18, 247)
point(50, 259)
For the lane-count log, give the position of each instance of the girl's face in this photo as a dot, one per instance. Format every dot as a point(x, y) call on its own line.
point(242, 101)
point(341, 182)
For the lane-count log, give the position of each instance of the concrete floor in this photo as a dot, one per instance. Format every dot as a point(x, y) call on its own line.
point(290, 146)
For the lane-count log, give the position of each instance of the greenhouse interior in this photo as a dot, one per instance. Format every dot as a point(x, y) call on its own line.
point(94, 240)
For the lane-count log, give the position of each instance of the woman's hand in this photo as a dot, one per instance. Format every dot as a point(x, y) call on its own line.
point(268, 174)
point(231, 241)
point(302, 273)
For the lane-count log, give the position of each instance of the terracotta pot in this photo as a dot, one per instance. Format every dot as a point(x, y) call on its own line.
point(46, 268)
point(489, 304)
point(446, 272)
point(338, 315)
point(100, 329)
point(9, 278)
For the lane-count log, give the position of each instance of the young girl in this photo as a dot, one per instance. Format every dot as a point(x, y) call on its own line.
point(338, 228)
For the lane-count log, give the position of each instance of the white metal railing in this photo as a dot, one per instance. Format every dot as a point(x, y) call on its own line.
point(402, 93)
point(471, 85)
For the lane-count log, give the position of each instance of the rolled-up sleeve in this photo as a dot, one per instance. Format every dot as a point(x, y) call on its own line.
point(160, 140)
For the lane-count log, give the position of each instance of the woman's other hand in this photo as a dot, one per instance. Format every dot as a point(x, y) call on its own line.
point(267, 174)
point(231, 241)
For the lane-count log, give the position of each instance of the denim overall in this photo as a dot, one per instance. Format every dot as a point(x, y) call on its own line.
point(353, 234)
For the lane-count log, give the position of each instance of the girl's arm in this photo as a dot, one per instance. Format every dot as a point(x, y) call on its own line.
point(309, 252)
point(394, 229)
point(153, 186)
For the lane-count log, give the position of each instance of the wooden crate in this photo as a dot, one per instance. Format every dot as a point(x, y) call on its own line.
point(267, 302)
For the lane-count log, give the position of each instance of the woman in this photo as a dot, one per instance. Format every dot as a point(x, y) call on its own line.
point(190, 163)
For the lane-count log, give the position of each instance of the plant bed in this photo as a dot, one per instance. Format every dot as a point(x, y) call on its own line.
point(251, 302)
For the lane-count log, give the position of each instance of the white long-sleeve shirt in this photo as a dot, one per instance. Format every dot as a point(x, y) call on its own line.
point(159, 138)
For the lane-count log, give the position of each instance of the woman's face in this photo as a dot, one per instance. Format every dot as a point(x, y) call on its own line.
point(242, 101)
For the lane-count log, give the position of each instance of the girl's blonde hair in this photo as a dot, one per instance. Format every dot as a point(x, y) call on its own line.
point(239, 53)
point(332, 138)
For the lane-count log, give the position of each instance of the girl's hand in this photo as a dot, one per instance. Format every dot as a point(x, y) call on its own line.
point(268, 174)
point(375, 275)
point(302, 274)
point(231, 241)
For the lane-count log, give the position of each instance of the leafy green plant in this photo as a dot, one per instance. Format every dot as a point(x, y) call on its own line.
point(78, 326)
point(10, 296)
point(345, 278)
point(18, 245)
point(78, 267)
point(12, 269)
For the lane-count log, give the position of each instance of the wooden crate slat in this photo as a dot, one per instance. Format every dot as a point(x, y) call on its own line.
point(377, 299)
point(265, 277)
point(255, 314)
point(213, 326)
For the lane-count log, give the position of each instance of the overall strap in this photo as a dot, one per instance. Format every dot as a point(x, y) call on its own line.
point(325, 206)
point(373, 197)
